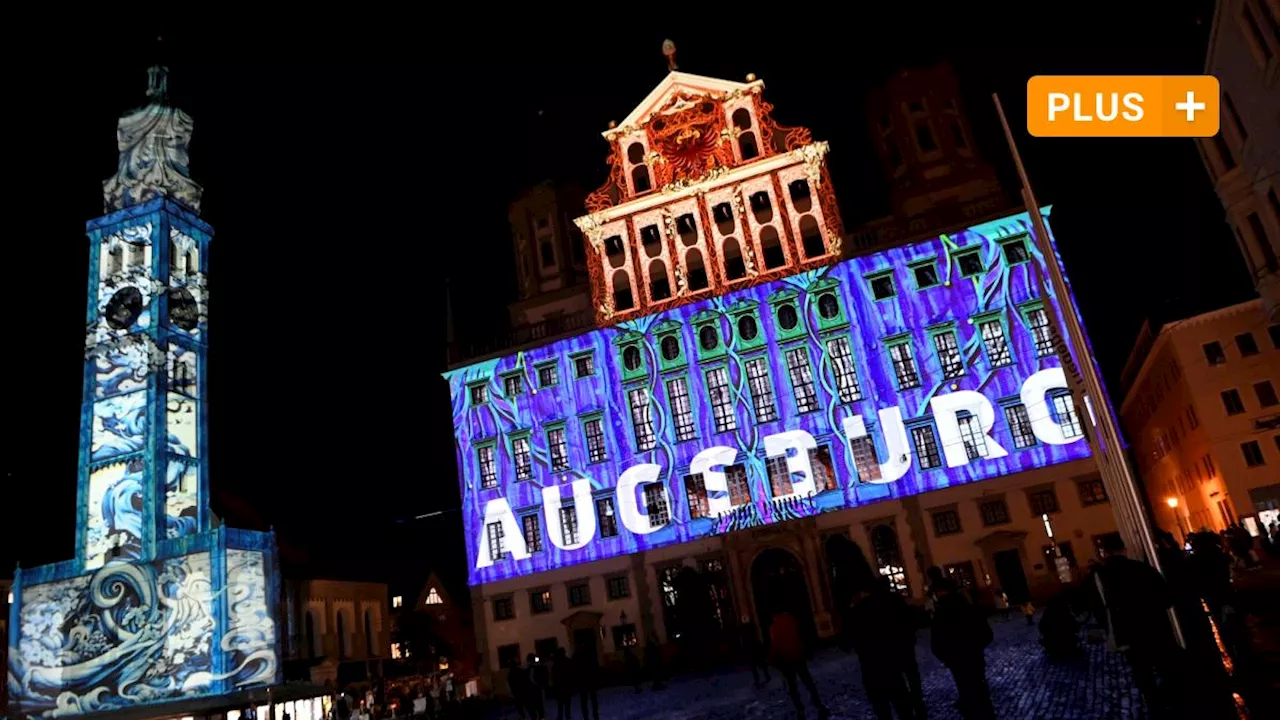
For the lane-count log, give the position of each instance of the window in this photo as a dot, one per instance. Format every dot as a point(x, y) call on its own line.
point(904, 365)
point(1020, 426)
point(1038, 321)
point(970, 263)
point(397, 601)
point(606, 518)
point(655, 504)
point(512, 385)
point(681, 410)
point(843, 368)
point(695, 492)
point(787, 318)
point(568, 524)
point(1252, 454)
point(558, 449)
point(926, 443)
point(975, 441)
point(761, 390)
point(1015, 252)
point(884, 543)
point(1065, 410)
point(1043, 501)
point(584, 366)
point(708, 338)
point(1092, 492)
point(494, 533)
point(925, 139)
point(1213, 353)
point(618, 587)
point(946, 522)
point(641, 422)
point(520, 453)
point(548, 375)
point(828, 306)
point(1246, 344)
point(505, 609)
point(779, 476)
point(1266, 393)
point(739, 489)
point(824, 476)
point(631, 359)
point(747, 329)
point(488, 469)
point(540, 601)
point(882, 287)
point(926, 276)
point(1231, 401)
point(579, 594)
point(996, 343)
point(864, 458)
point(994, 512)
point(594, 430)
point(532, 533)
point(670, 347)
point(479, 394)
point(721, 404)
point(948, 354)
point(801, 374)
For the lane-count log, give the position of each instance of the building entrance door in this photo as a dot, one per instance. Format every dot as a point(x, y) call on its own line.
point(849, 570)
point(584, 644)
point(1013, 578)
point(778, 585)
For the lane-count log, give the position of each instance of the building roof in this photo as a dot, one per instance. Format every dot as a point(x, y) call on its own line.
point(673, 84)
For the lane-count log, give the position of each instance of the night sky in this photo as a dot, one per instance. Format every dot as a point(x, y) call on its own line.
point(347, 181)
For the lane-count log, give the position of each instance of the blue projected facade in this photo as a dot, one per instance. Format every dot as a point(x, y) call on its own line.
point(158, 604)
point(887, 375)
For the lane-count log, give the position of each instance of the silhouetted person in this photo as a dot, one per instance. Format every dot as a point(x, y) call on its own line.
point(754, 650)
point(562, 684)
point(635, 671)
point(1241, 544)
point(587, 667)
point(653, 660)
point(960, 635)
point(1059, 631)
point(1132, 600)
point(881, 632)
point(518, 682)
point(537, 674)
point(788, 653)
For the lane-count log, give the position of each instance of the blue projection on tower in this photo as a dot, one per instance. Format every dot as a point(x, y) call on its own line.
point(157, 605)
point(887, 375)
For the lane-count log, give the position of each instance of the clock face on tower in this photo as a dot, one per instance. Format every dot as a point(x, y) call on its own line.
point(124, 308)
point(183, 310)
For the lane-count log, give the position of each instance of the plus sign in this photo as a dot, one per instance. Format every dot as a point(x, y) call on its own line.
point(1190, 106)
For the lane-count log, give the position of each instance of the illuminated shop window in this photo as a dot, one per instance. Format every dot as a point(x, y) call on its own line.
point(695, 492)
point(641, 421)
point(845, 373)
point(739, 486)
point(548, 375)
point(721, 403)
point(568, 525)
point(504, 608)
point(1038, 320)
point(779, 476)
point(995, 342)
point(606, 518)
point(761, 390)
point(864, 458)
point(512, 385)
point(904, 363)
point(948, 354)
point(925, 441)
point(1015, 251)
point(801, 374)
point(618, 587)
point(970, 263)
point(520, 453)
point(926, 274)
point(540, 601)
point(584, 366)
point(655, 503)
point(532, 535)
point(1064, 410)
point(488, 468)
point(593, 429)
point(496, 549)
point(558, 449)
point(479, 394)
point(681, 409)
point(824, 475)
point(1043, 501)
point(1020, 426)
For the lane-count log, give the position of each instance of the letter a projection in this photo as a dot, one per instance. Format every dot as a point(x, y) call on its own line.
point(895, 440)
point(946, 413)
point(499, 511)
point(583, 514)
point(629, 482)
point(797, 463)
point(1034, 397)
point(710, 465)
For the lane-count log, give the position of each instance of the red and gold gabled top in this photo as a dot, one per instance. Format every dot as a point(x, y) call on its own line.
point(689, 129)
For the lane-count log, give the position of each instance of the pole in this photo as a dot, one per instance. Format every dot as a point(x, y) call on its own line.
point(1104, 441)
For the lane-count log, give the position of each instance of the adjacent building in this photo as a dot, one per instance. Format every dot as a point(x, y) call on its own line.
point(335, 632)
point(756, 423)
point(1202, 412)
point(1244, 157)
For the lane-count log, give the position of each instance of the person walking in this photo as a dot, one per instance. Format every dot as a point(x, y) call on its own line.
point(518, 683)
point(562, 684)
point(958, 639)
point(881, 634)
point(754, 650)
point(788, 653)
point(587, 668)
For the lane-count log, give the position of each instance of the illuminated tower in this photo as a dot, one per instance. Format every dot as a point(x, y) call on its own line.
point(706, 194)
point(157, 605)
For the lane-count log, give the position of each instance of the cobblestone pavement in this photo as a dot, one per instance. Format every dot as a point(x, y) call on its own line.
point(1024, 686)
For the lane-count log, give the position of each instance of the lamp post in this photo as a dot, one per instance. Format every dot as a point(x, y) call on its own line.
point(1172, 502)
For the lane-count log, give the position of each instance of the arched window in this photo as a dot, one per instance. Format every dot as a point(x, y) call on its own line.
point(801, 197)
point(771, 248)
point(370, 639)
point(622, 291)
point(192, 264)
point(343, 650)
point(635, 153)
point(742, 119)
point(695, 271)
point(659, 286)
point(734, 267)
point(761, 206)
point(811, 238)
point(687, 229)
point(640, 179)
point(747, 146)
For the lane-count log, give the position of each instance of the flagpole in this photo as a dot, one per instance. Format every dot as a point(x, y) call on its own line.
point(1104, 441)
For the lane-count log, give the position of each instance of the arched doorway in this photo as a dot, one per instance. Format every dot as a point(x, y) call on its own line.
point(778, 584)
point(849, 569)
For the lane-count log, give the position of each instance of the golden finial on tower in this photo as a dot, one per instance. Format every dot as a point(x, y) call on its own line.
point(669, 50)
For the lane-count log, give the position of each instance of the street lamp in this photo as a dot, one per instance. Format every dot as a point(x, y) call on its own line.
point(1172, 502)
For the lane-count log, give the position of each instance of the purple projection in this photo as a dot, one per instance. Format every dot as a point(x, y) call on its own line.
point(887, 375)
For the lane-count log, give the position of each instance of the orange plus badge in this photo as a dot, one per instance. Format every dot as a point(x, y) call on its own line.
point(1122, 106)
